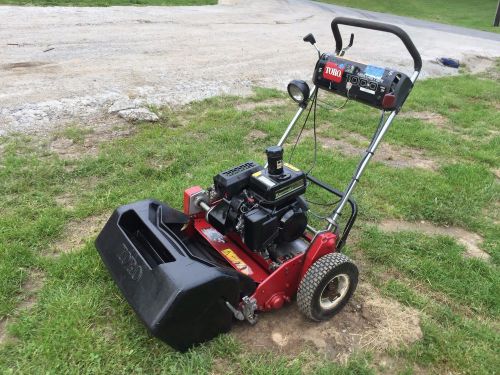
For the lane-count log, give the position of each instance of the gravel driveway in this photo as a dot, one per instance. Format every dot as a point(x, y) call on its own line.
point(64, 65)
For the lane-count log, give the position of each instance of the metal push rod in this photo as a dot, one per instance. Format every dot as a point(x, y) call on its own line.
point(379, 134)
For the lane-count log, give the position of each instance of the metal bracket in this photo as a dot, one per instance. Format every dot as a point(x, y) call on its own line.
point(249, 306)
point(194, 200)
point(247, 312)
point(237, 313)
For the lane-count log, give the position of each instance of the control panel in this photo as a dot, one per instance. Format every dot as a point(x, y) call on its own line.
point(383, 88)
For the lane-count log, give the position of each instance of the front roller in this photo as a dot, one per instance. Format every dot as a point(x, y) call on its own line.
point(327, 286)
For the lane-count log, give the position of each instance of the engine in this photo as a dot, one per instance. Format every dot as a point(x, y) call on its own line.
point(264, 207)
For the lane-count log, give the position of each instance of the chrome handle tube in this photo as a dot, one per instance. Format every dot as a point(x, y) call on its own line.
point(295, 119)
point(379, 134)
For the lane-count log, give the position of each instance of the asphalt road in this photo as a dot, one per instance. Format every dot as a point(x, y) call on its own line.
point(64, 65)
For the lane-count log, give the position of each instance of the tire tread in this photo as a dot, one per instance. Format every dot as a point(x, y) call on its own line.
point(312, 279)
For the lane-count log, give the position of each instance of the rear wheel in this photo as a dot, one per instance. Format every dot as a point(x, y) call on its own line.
point(327, 286)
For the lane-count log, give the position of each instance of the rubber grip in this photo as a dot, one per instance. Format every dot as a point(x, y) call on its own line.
point(379, 26)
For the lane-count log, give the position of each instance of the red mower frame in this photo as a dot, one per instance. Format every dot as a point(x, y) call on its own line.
point(279, 286)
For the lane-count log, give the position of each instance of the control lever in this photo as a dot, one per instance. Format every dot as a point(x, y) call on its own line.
point(351, 41)
point(310, 38)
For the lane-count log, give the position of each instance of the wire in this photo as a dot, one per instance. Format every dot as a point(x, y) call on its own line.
point(313, 105)
point(316, 215)
point(301, 130)
point(379, 127)
point(331, 107)
point(325, 204)
point(315, 136)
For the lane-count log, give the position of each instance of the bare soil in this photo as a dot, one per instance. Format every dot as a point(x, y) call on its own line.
point(69, 149)
point(66, 64)
point(477, 63)
point(66, 200)
point(249, 106)
point(77, 233)
point(256, 135)
point(471, 241)
point(27, 300)
point(427, 116)
point(394, 156)
point(368, 322)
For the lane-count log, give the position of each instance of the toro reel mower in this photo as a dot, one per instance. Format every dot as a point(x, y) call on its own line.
point(246, 244)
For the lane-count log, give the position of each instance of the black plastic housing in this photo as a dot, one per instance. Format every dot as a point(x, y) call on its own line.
point(279, 189)
point(231, 182)
point(261, 228)
point(179, 293)
point(369, 84)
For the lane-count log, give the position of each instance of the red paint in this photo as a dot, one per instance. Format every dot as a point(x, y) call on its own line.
point(323, 244)
point(280, 286)
point(274, 288)
point(333, 72)
point(187, 194)
point(257, 273)
point(276, 302)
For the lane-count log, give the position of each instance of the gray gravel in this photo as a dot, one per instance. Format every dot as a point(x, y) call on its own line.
point(65, 65)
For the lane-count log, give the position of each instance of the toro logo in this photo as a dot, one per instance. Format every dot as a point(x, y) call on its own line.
point(333, 72)
point(130, 264)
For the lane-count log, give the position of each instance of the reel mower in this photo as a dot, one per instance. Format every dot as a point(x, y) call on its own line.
point(246, 244)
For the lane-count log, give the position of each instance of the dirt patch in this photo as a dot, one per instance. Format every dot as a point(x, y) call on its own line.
point(265, 104)
point(24, 65)
point(393, 156)
point(66, 200)
point(368, 322)
point(259, 51)
point(72, 149)
point(28, 298)
point(471, 241)
point(77, 233)
point(477, 64)
point(31, 286)
point(427, 116)
point(68, 149)
point(220, 366)
point(256, 135)
point(3, 331)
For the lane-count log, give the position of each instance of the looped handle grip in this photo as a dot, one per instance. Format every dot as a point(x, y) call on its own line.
point(417, 60)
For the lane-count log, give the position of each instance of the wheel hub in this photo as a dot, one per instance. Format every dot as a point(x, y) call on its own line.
point(334, 291)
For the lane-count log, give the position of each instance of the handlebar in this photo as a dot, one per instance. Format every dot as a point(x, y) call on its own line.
point(417, 60)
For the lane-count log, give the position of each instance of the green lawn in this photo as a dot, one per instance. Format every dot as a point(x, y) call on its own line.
point(105, 3)
point(474, 14)
point(79, 323)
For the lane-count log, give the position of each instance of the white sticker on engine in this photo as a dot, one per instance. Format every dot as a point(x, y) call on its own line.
point(266, 181)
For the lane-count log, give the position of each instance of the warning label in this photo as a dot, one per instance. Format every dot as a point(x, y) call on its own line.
point(236, 260)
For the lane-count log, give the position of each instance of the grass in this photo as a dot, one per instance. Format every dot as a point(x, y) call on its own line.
point(473, 14)
point(80, 322)
point(105, 3)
